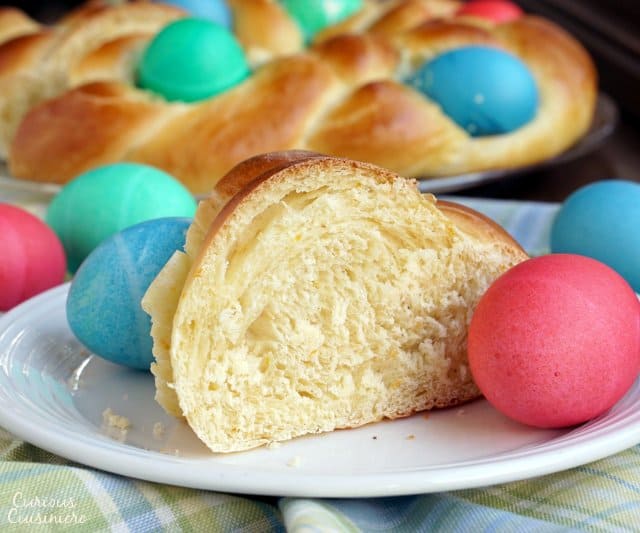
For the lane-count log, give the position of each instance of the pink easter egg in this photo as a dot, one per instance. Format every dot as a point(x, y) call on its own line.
point(33, 258)
point(497, 11)
point(555, 341)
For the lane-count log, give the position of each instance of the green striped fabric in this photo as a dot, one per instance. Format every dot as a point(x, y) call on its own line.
point(42, 492)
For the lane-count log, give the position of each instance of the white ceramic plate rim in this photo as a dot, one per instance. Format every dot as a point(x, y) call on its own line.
point(613, 432)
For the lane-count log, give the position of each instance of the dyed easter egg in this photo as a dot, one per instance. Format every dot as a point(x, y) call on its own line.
point(103, 304)
point(107, 199)
point(484, 90)
point(497, 11)
point(555, 341)
point(215, 10)
point(602, 220)
point(315, 15)
point(191, 60)
point(33, 258)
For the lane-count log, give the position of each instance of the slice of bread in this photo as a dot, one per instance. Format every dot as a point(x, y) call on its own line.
point(318, 293)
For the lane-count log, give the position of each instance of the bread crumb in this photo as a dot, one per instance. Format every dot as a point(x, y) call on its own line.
point(426, 416)
point(274, 445)
point(411, 437)
point(158, 430)
point(113, 420)
point(295, 461)
point(460, 412)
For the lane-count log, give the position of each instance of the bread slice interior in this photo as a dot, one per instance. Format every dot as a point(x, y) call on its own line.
point(322, 293)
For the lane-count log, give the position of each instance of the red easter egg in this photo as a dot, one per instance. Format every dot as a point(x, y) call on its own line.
point(33, 258)
point(498, 11)
point(555, 341)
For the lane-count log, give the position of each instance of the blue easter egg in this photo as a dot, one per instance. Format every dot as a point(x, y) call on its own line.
point(215, 10)
point(484, 90)
point(601, 221)
point(103, 304)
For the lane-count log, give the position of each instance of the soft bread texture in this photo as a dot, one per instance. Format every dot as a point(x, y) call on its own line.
point(317, 293)
point(342, 96)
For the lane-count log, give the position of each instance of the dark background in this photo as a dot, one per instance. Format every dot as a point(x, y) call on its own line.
point(611, 33)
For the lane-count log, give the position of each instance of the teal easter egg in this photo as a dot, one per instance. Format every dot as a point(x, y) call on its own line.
point(215, 10)
point(484, 90)
point(192, 59)
point(107, 199)
point(315, 15)
point(103, 304)
point(601, 221)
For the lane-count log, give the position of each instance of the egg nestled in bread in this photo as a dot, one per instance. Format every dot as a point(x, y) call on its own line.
point(318, 293)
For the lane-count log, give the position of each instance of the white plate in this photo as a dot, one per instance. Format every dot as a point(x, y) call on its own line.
point(53, 393)
point(603, 125)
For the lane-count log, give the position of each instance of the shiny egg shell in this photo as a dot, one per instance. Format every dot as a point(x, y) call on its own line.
point(191, 60)
point(33, 258)
point(103, 305)
point(107, 199)
point(498, 11)
point(315, 15)
point(215, 10)
point(555, 341)
point(484, 90)
point(602, 220)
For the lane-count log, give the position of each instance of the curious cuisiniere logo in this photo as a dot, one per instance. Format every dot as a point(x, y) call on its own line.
point(36, 510)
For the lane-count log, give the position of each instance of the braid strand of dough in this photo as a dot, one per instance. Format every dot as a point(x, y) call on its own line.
point(343, 96)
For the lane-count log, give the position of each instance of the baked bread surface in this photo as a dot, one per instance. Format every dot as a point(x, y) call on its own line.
point(342, 96)
point(318, 293)
point(39, 62)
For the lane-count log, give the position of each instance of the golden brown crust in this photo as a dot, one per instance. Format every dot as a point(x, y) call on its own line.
point(14, 23)
point(273, 110)
point(250, 169)
point(20, 53)
point(357, 59)
point(110, 121)
point(480, 226)
point(264, 29)
point(404, 16)
point(342, 97)
point(115, 59)
point(41, 63)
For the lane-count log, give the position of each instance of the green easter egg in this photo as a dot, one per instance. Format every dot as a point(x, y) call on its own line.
point(192, 59)
point(108, 199)
point(315, 15)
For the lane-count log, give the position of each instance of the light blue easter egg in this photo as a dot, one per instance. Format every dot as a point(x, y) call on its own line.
point(215, 10)
point(107, 199)
point(103, 304)
point(602, 220)
point(484, 90)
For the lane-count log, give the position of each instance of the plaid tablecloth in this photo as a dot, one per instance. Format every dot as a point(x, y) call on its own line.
point(43, 492)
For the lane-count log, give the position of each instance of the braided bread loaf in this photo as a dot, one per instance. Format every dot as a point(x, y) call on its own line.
point(38, 62)
point(343, 96)
point(318, 293)
point(103, 39)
